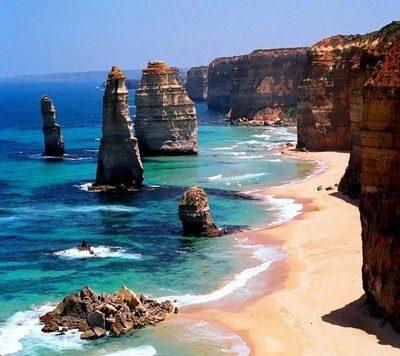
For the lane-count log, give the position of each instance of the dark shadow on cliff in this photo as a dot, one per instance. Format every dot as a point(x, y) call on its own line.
point(346, 198)
point(355, 315)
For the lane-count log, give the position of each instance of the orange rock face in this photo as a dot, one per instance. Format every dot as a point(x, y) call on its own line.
point(380, 188)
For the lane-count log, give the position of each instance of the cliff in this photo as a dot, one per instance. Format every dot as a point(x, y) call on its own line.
point(53, 138)
point(325, 93)
point(377, 45)
point(264, 83)
point(380, 188)
point(220, 72)
point(119, 161)
point(197, 83)
point(166, 122)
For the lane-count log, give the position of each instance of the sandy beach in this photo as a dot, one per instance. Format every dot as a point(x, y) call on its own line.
point(318, 305)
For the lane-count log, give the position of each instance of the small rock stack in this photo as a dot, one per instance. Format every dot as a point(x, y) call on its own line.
point(53, 138)
point(119, 162)
point(95, 314)
point(166, 122)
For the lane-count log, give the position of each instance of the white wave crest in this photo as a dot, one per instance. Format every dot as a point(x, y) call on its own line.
point(98, 252)
point(250, 157)
point(218, 176)
point(225, 148)
point(144, 350)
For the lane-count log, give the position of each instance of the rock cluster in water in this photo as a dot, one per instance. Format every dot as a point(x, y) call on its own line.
point(194, 213)
point(119, 162)
point(166, 122)
point(95, 315)
point(53, 138)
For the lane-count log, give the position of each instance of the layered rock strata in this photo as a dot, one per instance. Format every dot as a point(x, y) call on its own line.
point(197, 83)
point(166, 122)
point(265, 82)
point(53, 138)
point(194, 213)
point(324, 108)
point(98, 315)
point(380, 188)
point(220, 72)
point(374, 51)
point(119, 162)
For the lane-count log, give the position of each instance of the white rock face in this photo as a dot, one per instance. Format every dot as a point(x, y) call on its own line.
point(166, 122)
point(119, 159)
point(53, 138)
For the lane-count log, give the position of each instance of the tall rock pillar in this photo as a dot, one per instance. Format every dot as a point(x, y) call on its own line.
point(166, 122)
point(119, 159)
point(380, 188)
point(53, 138)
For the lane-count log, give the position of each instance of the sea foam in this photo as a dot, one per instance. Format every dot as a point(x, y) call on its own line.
point(98, 252)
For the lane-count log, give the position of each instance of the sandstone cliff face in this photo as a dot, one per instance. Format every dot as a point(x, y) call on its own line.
point(376, 46)
point(197, 83)
point(266, 79)
point(220, 72)
point(119, 160)
point(380, 188)
point(166, 122)
point(53, 138)
point(325, 93)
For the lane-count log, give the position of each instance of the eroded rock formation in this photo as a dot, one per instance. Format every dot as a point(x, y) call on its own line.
point(325, 93)
point(166, 122)
point(375, 48)
point(197, 83)
point(264, 84)
point(119, 162)
point(380, 188)
point(194, 213)
point(95, 315)
point(53, 138)
point(220, 72)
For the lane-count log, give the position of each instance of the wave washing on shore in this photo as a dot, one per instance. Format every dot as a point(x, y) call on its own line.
point(46, 211)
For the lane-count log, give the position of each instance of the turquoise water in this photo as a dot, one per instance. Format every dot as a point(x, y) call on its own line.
point(46, 211)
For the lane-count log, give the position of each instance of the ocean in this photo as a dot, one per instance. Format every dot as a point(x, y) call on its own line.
point(46, 211)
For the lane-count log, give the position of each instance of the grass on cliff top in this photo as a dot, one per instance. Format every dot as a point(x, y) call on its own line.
point(390, 28)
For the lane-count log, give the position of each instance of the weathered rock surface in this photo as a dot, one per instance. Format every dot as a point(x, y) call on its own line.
point(53, 138)
point(119, 161)
point(95, 314)
point(85, 247)
point(376, 47)
point(194, 213)
point(380, 188)
point(166, 122)
point(264, 84)
point(197, 83)
point(220, 73)
point(325, 92)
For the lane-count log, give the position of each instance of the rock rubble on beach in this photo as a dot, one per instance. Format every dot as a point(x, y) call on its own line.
point(96, 315)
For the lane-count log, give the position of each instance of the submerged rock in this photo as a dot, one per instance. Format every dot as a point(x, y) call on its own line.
point(119, 162)
point(95, 314)
point(166, 122)
point(53, 138)
point(194, 213)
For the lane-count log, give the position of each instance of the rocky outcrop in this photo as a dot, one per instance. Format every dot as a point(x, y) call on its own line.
point(325, 93)
point(197, 83)
point(177, 74)
point(53, 138)
point(166, 122)
point(194, 213)
point(95, 315)
point(264, 84)
point(119, 162)
point(376, 47)
point(380, 188)
point(220, 72)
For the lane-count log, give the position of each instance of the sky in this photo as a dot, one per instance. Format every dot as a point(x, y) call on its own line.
point(53, 36)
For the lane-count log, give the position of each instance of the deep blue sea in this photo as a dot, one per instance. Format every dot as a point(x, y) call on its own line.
point(46, 211)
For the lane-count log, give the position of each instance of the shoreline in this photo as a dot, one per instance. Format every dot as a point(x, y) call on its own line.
point(314, 303)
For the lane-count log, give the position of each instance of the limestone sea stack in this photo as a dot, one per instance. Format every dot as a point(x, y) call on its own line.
point(197, 83)
point(194, 213)
point(380, 188)
point(119, 160)
point(53, 138)
point(166, 122)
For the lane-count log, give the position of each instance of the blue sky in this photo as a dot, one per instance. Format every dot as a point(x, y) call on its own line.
point(49, 36)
